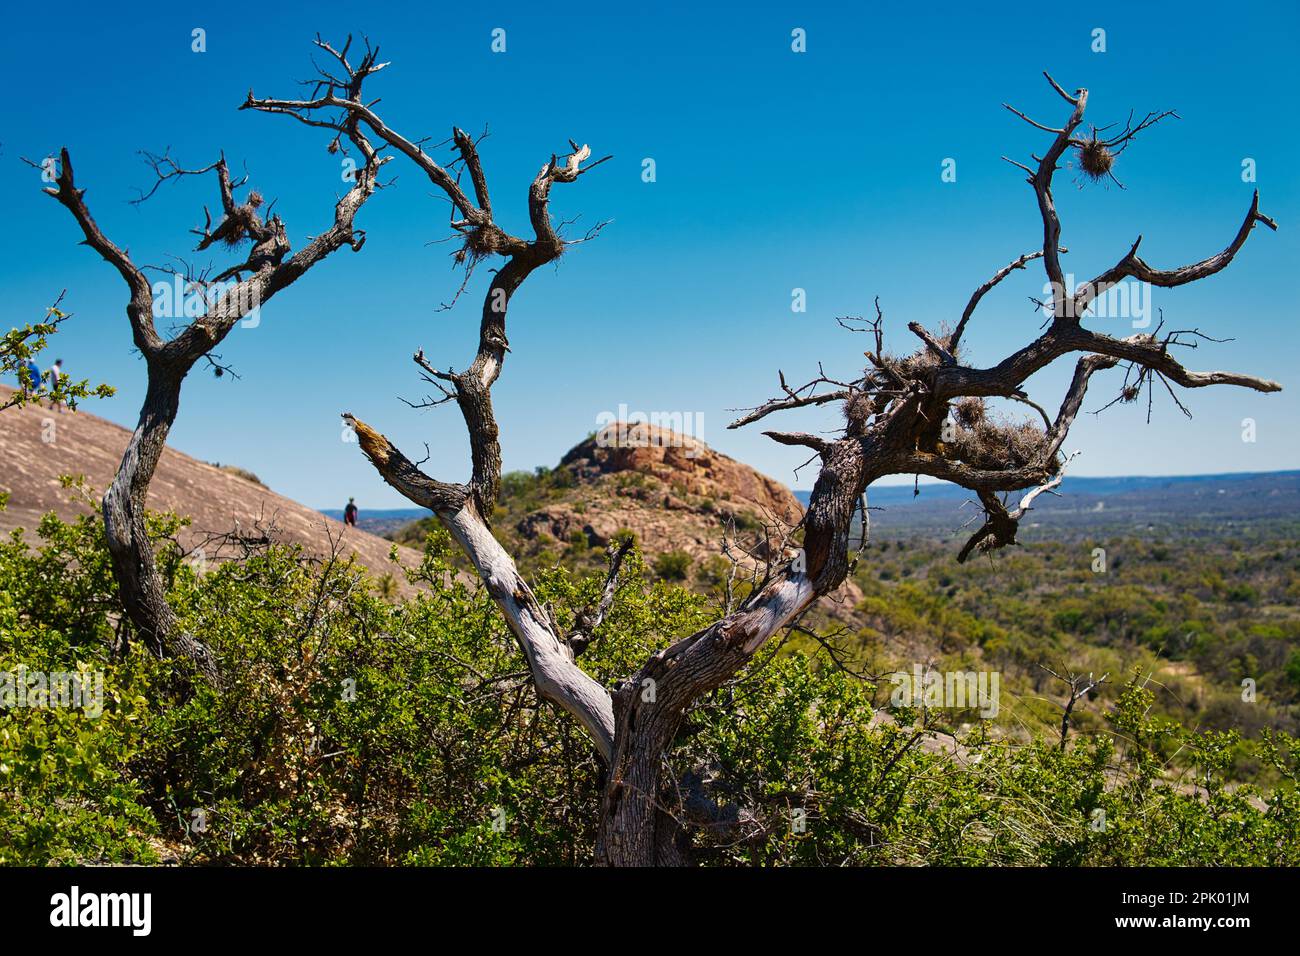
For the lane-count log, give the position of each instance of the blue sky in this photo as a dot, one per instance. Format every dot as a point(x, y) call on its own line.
point(775, 171)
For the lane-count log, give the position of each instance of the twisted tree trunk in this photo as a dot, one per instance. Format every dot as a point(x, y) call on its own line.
point(642, 814)
point(143, 596)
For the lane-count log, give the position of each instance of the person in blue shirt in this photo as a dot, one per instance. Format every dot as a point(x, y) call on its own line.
point(33, 376)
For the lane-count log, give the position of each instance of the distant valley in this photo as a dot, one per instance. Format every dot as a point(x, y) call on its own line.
point(1082, 504)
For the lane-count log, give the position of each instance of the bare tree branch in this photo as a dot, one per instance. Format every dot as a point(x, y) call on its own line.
point(980, 292)
point(169, 361)
point(590, 618)
point(1080, 687)
point(464, 509)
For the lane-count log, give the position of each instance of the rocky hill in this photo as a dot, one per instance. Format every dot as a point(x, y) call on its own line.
point(677, 495)
point(37, 445)
point(672, 491)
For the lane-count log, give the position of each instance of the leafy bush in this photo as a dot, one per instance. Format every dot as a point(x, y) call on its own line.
point(355, 730)
point(673, 565)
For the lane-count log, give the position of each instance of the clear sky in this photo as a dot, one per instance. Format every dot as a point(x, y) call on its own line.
point(775, 170)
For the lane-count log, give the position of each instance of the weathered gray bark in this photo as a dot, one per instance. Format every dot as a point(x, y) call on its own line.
point(649, 706)
point(143, 596)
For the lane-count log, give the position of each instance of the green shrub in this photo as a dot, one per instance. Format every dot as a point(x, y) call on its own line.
point(356, 730)
point(673, 565)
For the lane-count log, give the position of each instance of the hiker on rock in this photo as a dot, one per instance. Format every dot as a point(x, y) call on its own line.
point(55, 371)
point(350, 513)
point(33, 376)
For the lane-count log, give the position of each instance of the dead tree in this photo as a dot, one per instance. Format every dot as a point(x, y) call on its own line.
point(228, 297)
point(895, 424)
point(1080, 687)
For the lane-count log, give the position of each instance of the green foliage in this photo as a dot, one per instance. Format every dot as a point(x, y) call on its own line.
point(712, 574)
point(1174, 609)
point(18, 346)
point(358, 730)
point(63, 796)
point(826, 787)
point(673, 565)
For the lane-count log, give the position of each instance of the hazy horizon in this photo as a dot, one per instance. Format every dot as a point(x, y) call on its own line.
point(930, 482)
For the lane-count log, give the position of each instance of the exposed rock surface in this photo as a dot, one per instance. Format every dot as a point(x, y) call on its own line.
point(685, 464)
point(38, 444)
point(672, 490)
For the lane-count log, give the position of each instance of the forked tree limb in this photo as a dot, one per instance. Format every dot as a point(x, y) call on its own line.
point(903, 421)
point(140, 304)
point(1042, 183)
point(1133, 267)
point(979, 293)
point(1064, 337)
point(268, 268)
point(464, 509)
point(590, 618)
point(483, 237)
point(1000, 525)
point(557, 677)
